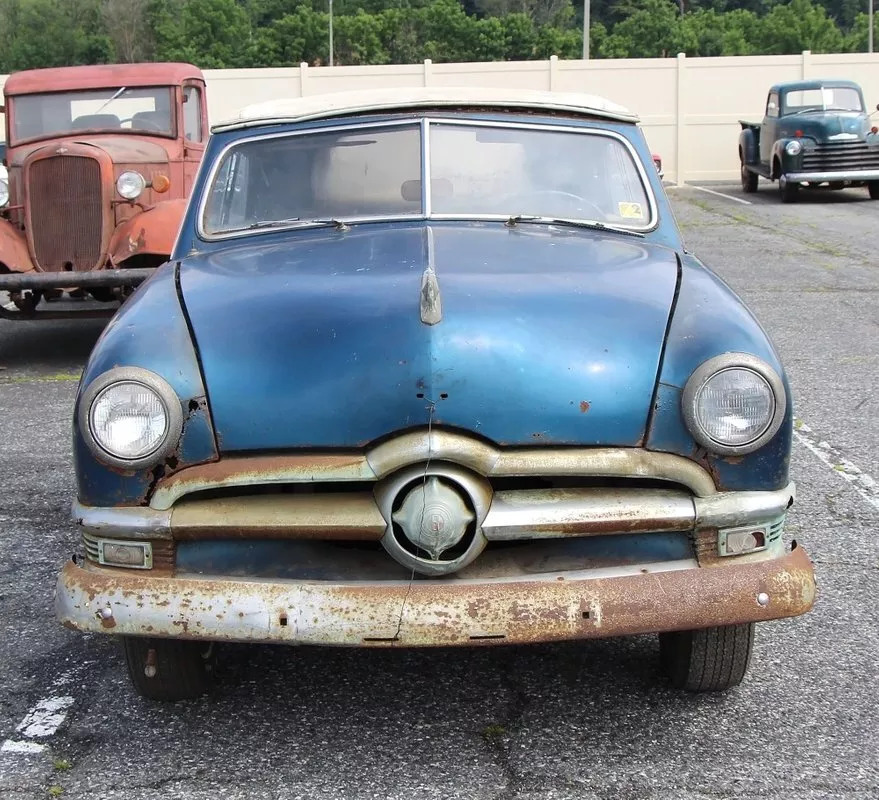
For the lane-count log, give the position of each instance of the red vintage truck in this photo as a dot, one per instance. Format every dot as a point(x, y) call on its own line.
point(100, 163)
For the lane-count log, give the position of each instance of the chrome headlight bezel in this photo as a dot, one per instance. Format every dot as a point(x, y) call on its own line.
point(714, 366)
point(169, 400)
point(793, 147)
point(4, 193)
point(136, 187)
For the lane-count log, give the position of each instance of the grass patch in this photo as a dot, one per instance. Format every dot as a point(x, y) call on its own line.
point(61, 764)
point(493, 732)
point(55, 377)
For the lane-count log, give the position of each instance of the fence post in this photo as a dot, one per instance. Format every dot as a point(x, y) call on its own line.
point(680, 172)
point(553, 69)
point(303, 68)
point(806, 63)
point(428, 71)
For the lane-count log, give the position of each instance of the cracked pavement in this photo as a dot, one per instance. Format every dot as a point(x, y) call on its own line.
point(583, 720)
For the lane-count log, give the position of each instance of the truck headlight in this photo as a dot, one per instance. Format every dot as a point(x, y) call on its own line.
point(793, 148)
point(4, 193)
point(130, 417)
point(130, 185)
point(734, 403)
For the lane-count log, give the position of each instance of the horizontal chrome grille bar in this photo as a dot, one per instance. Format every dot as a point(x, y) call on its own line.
point(513, 514)
point(585, 512)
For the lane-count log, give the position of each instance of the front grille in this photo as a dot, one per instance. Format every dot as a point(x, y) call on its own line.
point(65, 212)
point(837, 156)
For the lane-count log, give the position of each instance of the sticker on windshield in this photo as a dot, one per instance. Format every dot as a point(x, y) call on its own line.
point(630, 210)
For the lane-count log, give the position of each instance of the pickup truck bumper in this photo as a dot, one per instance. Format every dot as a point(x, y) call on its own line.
point(851, 175)
point(23, 281)
point(536, 608)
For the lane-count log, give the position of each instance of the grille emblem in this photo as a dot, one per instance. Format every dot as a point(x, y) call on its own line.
point(434, 517)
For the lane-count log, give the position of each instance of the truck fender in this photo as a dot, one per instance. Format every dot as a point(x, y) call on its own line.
point(14, 255)
point(150, 233)
point(748, 146)
point(778, 157)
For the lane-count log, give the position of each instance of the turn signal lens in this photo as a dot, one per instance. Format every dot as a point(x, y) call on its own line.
point(161, 183)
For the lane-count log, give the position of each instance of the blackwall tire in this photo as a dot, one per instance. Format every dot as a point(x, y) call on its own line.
point(709, 659)
point(182, 669)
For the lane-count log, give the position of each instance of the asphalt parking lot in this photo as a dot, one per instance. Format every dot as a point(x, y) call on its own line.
point(567, 721)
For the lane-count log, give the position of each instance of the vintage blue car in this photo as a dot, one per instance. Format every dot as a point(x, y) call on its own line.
point(432, 367)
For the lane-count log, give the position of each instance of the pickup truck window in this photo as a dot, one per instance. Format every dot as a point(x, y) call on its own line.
point(829, 98)
point(772, 105)
point(142, 109)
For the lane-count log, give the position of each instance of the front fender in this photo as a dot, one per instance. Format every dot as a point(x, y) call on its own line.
point(14, 255)
point(710, 319)
point(788, 163)
point(150, 233)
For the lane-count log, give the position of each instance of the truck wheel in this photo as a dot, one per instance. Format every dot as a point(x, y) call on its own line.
point(708, 659)
point(749, 180)
point(873, 188)
point(168, 669)
point(787, 191)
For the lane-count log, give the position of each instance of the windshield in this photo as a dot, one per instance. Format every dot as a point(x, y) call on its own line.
point(475, 171)
point(828, 98)
point(142, 109)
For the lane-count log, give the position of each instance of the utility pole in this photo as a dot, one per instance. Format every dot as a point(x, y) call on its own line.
point(331, 32)
point(870, 33)
point(585, 29)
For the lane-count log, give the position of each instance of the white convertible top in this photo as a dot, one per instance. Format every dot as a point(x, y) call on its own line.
point(336, 104)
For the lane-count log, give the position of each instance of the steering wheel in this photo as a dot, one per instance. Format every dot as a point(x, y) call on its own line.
point(144, 123)
point(581, 202)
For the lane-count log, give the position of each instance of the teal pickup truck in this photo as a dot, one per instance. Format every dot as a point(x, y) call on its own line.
point(815, 133)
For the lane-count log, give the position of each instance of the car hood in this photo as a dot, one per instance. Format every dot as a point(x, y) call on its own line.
point(315, 339)
point(824, 126)
point(133, 149)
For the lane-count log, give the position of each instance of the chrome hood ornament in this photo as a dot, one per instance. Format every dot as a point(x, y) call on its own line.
point(431, 301)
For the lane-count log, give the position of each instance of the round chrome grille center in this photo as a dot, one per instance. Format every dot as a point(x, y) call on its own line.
point(434, 517)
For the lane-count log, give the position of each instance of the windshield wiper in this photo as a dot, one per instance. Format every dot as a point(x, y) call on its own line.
point(576, 223)
point(119, 93)
point(292, 222)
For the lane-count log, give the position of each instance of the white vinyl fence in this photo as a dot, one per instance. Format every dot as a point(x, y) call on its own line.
point(689, 107)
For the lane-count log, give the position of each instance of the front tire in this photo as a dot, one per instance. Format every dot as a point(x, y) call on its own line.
point(168, 669)
point(709, 659)
point(749, 180)
point(787, 191)
point(873, 189)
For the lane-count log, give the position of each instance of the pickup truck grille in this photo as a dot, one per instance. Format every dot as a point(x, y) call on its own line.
point(834, 156)
point(65, 213)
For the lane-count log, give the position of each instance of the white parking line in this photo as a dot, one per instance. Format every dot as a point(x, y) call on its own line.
point(42, 721)
point(721, 194)
point(865, 485)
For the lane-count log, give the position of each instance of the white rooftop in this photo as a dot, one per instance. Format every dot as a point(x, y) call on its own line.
point(335, 104)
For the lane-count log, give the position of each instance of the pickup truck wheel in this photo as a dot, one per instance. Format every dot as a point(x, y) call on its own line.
point(168, 669)
point(708, 659)
point(873, 188)
point(749, 180)
point(787, 191)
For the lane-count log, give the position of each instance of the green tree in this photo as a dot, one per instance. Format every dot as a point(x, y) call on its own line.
point(796, 26)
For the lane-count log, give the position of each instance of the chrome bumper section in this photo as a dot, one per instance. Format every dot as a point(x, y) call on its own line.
point(547, 607)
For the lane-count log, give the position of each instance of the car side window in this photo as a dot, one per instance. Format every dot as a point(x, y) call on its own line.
point(192, 114)
point(772, 105)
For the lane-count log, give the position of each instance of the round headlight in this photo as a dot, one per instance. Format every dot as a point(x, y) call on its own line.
point(130, 417)
point(4, 193)
point(793, 148)
point(130, 185)
point(734, 404)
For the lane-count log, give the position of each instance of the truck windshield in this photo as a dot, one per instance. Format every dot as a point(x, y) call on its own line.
point(828, 98)
point(147, 110)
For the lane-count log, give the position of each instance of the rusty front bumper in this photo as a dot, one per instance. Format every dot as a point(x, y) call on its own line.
point(437, 611)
